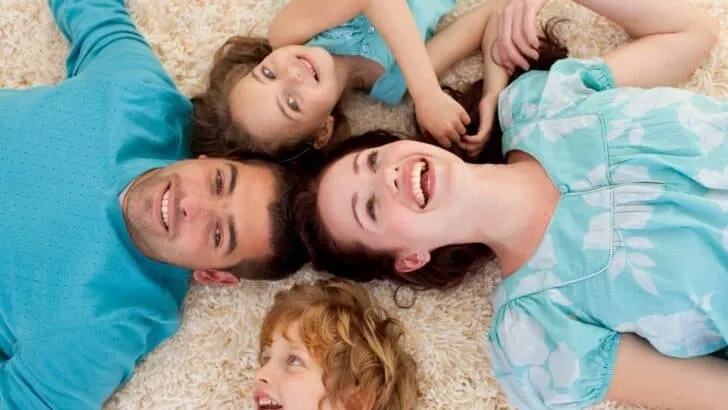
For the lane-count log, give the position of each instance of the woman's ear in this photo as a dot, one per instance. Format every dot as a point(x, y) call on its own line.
point(409, 262)
point(323, 135)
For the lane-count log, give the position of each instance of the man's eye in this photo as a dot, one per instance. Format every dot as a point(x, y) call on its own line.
point(217, 237)
point(372, 161)
point(292, 103)
point(268, 73)
point(372, 208)
point(218, 183)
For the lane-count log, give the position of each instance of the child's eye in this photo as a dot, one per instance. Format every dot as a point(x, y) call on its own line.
point(294, 361)
point(268, 73)
point(292, 103)
point(217, 237)
point(372, 208)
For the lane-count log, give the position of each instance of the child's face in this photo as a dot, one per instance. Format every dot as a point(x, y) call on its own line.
point(289, 95)
point(288, 377)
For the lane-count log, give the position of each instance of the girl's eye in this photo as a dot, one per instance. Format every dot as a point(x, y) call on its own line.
point(217, 237)
point(292, 103)
point(293, 361)
point(268, 73)
point(372, 208)
point(218, 183)
point(372, 160)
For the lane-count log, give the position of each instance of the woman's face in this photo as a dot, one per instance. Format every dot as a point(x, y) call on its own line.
point(402, 198)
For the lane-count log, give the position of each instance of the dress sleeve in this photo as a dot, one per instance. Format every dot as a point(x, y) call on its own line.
point(547, 94)
point(547, 358)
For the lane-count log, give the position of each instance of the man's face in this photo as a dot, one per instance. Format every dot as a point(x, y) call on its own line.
point(202, 214)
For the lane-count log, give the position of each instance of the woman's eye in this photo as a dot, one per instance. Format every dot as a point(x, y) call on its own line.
point(292, 103)
point(218, 183)
point(217, 237)
point(372, 208)
point(293, 361)
point(372, 161)
point(268, 73)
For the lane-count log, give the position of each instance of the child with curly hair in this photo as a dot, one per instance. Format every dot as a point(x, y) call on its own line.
point(329, 345)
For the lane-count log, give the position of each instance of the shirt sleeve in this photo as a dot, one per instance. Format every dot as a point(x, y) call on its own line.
point(548, 94)
point(545, 358)
point(72, 370)
point(103, 37)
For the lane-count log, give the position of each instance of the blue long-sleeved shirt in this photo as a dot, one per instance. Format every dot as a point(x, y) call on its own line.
point(79, 304)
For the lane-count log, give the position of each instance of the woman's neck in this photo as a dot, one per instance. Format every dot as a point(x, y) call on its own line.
point(517, 204)
point(356, 72)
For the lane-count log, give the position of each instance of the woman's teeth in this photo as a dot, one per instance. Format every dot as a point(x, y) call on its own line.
point(165, 209)
point(418, 170)
point(310, 68)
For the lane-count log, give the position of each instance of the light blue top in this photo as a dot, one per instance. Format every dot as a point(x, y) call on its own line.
point(638, 242)
point(358, 37)
point(79, 305)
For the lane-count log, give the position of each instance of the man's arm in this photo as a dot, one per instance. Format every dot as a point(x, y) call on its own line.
point(103, 37)
point(71, 370)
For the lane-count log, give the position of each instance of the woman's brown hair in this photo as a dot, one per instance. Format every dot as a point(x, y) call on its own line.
point(215, 133)
point(448, 265)
point(358, 345)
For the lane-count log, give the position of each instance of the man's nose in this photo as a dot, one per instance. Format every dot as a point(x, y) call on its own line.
point(192, 207)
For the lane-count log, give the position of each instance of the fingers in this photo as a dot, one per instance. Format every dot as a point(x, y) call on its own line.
point(529, 26)
point(508, 52)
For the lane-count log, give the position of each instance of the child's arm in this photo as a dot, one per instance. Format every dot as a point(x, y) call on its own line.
point(645, 377)
point(436, 111)
point(462, 38)
point(672, 38)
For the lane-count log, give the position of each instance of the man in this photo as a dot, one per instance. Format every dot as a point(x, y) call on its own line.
point(102, 223)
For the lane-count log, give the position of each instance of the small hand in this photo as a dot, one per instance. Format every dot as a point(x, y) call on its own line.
point(474, 144)
point(441, 116)
point(517, 37)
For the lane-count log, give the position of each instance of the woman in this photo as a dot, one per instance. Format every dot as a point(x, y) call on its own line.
point(607, 194)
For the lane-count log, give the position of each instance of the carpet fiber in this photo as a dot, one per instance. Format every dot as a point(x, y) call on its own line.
point(211, 362)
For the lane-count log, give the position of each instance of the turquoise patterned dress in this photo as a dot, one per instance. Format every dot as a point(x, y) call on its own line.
point(358, 37)
point(638, 242)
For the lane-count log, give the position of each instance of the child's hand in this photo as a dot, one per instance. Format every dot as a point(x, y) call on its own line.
point(517, 35)
point(442, 117)
point(474, 144)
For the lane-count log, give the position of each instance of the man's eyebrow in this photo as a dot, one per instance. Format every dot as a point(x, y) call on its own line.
point(354, 200)
point(233, 178)
point(233, 241)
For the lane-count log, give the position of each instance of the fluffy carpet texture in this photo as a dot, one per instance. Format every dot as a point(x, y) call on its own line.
point(211, 362)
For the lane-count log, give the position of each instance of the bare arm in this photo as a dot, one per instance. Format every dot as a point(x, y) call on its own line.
point(299, 20)
point(645, 377)
point(672, 38)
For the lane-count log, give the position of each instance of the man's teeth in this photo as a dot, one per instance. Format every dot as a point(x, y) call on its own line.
point(417, 171)
point(165, 209)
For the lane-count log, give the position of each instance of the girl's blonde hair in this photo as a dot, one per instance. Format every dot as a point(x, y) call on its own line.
point(353, 339)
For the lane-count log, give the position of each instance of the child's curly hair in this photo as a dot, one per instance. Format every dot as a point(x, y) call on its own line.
point(353, 339)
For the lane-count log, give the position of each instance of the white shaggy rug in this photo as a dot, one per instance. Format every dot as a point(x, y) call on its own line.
point(211, 362)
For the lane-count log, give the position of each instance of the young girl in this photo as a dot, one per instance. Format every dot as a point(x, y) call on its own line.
point(329, 345)
point(278, 98)
point(607, 219)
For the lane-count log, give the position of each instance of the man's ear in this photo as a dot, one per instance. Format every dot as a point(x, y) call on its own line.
point(323, 135)
point(208, 276)
point(411, 261)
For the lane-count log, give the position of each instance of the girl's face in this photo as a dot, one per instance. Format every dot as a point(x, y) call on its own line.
point(403, 198)
point(288, 377)
point(288, 96)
